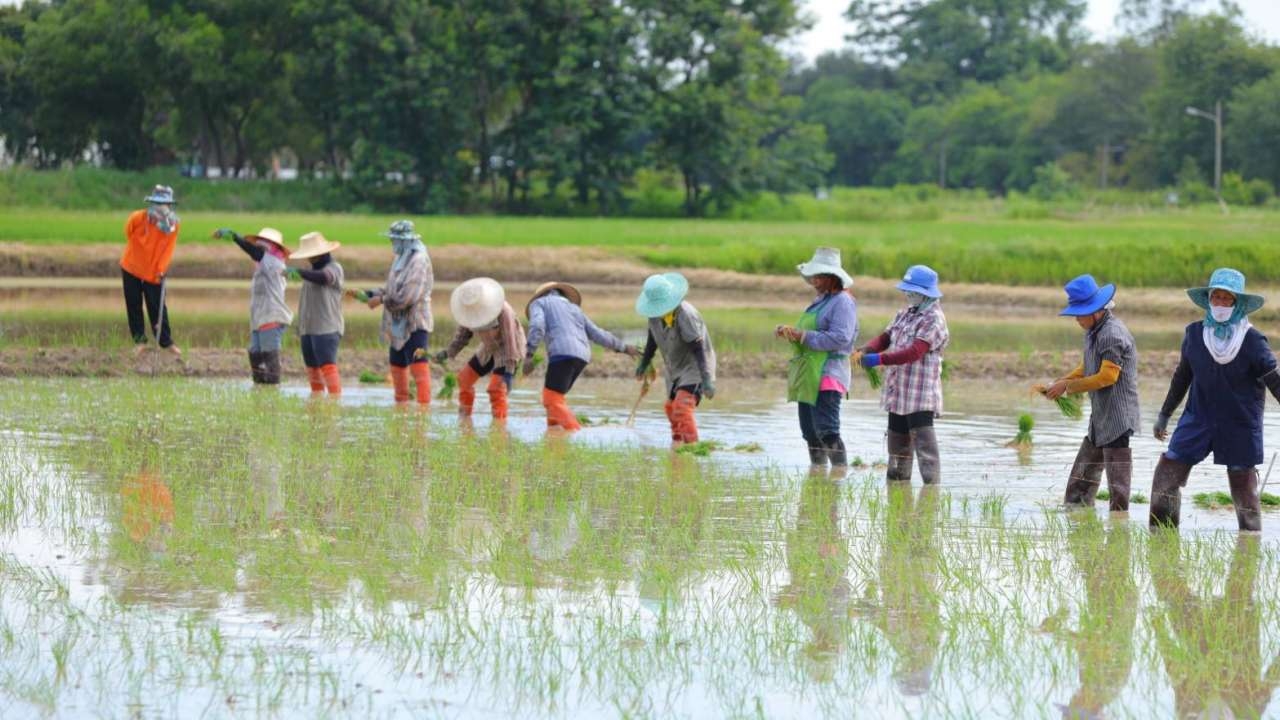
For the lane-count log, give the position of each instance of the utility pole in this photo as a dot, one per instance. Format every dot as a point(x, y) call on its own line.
point(1216, 117)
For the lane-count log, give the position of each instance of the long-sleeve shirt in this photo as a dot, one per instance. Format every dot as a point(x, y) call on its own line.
point(686, 347)
point(320, 300)
point(266, 293)
point(913, 386)
point(406, 300)
point(148, 250)
point(836, 334)
point(1109, 344)
point(504, 343)
point(567, 330)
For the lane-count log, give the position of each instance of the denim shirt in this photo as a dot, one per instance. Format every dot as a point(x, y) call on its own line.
point(567, 330)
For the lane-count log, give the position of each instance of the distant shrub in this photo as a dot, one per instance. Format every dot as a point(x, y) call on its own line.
point(1238, 191)
point(1053, 183)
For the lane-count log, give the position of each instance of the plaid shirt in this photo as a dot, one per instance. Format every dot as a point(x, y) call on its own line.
point(915, 387)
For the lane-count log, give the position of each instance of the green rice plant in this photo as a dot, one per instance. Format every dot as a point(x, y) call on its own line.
point(1025, 423)
point(447, 387)
point(873, 378)
point(372, 378)
point(1070, 405)
point(1138, 498)
point(1269, 500)
point(748, 447)
point(702, 448)
point(1213, 500)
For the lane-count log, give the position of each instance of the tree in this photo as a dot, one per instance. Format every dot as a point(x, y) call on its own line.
point(1254, 127)
point(863, 127)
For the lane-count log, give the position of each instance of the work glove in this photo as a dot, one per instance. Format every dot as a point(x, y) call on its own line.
point(292, 274)
point(870, 360)
point(225, 233)
point(526, 367)
point(708, 388)
point(440, 357)
point(642, 369)
point(1161, 430)
point(632, 351)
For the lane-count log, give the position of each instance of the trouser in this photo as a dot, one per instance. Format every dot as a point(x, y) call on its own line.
point(1086, 473)
point(408, 362)
point(820, 428)
point(1171, 476)
point(137, 292)
point(320, 355)
point(680, 407)
point(499, 386)
point(269, 340)
point(561, 375)
point(912, 435)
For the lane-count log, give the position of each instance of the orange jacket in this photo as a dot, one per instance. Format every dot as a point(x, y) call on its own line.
point(147, 250)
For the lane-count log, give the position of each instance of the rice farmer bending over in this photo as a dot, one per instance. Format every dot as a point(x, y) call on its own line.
point(150, 238)
point(910, 350)
point(1109, 374)
point(818, 373)
point(1225, 364)
point(481, 310)
point(320, 321)
point(406, 311)
point(676, 327)
point(268, 314)
point(555, 316)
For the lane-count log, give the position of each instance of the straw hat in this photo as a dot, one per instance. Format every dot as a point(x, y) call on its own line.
point(826, 261)
point(313, 244)
point(271, 235)
point(570, 292)
point(477, 302)
point(1232, 281)
point(662, 293)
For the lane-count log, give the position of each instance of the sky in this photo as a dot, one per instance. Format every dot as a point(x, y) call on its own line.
point(1260, 16)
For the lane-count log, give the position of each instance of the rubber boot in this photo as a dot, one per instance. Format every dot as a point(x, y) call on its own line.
point(316, 380)
point(467, 379)
point(332, 379)
point(400, 381)
point(558, 412)
point(925, 442)
point(498, 396)
point(1119, 464)
point(835, 451)
point(684, 425)
point(1244, 496)
point(271, 367)
point(1086, 474)
point(818, 456)
point(899, 469)
point(421, 373)
point(1166, 492)
point(256, 366)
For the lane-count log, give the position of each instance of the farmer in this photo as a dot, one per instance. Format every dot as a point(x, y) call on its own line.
point(818, 373)
point(555, 316)
point(150, 237)
point(268, 313)
point(406, 311)
point(481, 310)
point(1225, 363)
point(1109, 374)
point(676, 328)
point(320, 322)
point(911, 352)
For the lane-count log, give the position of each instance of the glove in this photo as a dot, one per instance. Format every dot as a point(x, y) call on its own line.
point(527, 366)
point(1161, 429)
point(440, 357)
point(225, 232)
point(642, 369)
point(870, 360)
point(292, 274)
point(708, 388)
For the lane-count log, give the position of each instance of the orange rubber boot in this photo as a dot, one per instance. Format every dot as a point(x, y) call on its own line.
point(684, 426)
point(467, 378)
point(558, 412)
point(317, 382)
point(332, 378)
point(400, 381)
point(422, 377)
point(498, 396)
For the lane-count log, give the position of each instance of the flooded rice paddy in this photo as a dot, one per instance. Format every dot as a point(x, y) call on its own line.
point(183, 548)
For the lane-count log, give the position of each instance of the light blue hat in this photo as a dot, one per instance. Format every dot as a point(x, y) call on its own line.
point(662, 293)
point(402, 230)
point(921, 279)
point(161, 194)
point(1232, 281)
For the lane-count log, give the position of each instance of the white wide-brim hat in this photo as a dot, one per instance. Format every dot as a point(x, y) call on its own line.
point(312, 245)
point(271, 235)
point(477, 302)
point(826, 261)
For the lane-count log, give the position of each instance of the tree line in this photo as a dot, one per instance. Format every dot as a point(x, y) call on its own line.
point(433, 105)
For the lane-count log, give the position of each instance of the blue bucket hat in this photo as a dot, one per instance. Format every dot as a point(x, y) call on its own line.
point(662, 293)
point(921, 279)
point(402, 230)
point(1232, 281)
point(161, 194)
point(1084, 297)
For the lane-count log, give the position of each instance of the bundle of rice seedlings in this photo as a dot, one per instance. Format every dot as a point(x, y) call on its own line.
point(1025, 423)
point(873, 378)
point(447, 387)
point(1069, 405)
point(368, 376)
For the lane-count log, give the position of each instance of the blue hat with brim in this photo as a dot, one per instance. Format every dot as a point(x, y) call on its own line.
point(1085, 297)
point(921, 279)
point(662, 294)
point(161, 194)
point(1232, 281)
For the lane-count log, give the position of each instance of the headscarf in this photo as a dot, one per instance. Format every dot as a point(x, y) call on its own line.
point(1223, 330)
point(919, 301)
point(162, 216)
point(405, 247)
point(1224, 339)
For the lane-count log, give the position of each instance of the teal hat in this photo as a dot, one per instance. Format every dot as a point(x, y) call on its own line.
point(662, 293)
point(1232, 281)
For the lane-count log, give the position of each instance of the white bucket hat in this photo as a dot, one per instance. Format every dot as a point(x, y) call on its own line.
point(271, 235)
point(313, 244)
point(477, 302)
point(826, 261)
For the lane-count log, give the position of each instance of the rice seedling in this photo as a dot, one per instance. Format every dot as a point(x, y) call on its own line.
point(701, 448)
point(1023, 439)
point(1069, 405)
point(447, 387)
point(372, 378)
point(873, 378)
point(748, 447)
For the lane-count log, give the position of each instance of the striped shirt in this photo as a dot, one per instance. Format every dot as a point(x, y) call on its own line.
point(1114, 409)
point(915, 387)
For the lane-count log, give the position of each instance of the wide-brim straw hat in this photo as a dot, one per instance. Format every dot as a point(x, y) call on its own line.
point(1232, 281)
point(662, 294)
point(162, 194)
point(477, 302)
point(826, 261)
point(271, 235)
point(314, 244)
point(570, 292)
point(1086, 297)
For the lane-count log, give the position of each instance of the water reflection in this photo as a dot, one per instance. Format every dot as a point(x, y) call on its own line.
point(147, 508)
point(1211, 646)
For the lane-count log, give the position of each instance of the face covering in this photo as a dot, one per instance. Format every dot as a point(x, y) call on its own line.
point(915, 299)
point(1221, 314)
point(163, 217)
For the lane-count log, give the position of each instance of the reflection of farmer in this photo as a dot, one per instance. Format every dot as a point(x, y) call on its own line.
point(1212, 648)
point(1109, 374)
point(1225, 363)
point(911, 351)
point(481, 310)
point(150, 237)
point(147, 506)
point(406, 311)
point(1104, 638)
point(676, 328)
point(269, 316)
point(555, 316)
point(818, 373)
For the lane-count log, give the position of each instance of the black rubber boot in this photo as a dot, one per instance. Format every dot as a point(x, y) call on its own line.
point(1244, 496)
point(835, 450)
point(271, 367)
point(899, 468)
point(256, 366)
point(818, 456)
point(1166, 492)
point(926, 445)
point(1086, 474)
point(1119, 464)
